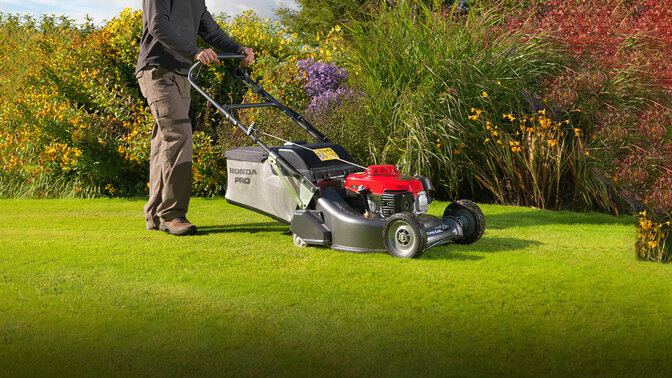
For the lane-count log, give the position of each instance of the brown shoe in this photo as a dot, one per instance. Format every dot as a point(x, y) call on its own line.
point(178, 227)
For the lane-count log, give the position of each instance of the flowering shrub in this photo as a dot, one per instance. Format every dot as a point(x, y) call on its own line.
point(321, 77)
point(322, 104)
point(535, 157)
point(611, 33)
point(73, 122)
point(325, 85)
point(335, 107)
point(72, 110)
point(627, 42)
point(654, 238)
point(209, 173)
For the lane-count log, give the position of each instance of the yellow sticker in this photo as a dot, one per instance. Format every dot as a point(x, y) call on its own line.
point(326, 154)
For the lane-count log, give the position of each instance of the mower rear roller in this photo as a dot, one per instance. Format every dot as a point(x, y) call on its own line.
point(470, 217)
point(298, 241)
point(405, 236)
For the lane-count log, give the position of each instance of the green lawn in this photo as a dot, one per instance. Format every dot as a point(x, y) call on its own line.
point(85, 290)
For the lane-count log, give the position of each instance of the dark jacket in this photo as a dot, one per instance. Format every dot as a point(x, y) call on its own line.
point(169, 32)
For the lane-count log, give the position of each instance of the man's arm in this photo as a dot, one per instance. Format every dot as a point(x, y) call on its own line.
point(212, 34)
point(160, 28)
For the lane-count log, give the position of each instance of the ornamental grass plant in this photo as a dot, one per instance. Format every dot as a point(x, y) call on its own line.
point(423, 72)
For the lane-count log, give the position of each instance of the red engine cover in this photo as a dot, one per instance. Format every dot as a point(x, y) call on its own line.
point(379, 178)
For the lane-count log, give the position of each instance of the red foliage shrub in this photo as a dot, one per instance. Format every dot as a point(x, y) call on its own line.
point(607, 37)
point(613, 33)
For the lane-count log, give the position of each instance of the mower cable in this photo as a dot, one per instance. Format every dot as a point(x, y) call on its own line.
point(305, 148)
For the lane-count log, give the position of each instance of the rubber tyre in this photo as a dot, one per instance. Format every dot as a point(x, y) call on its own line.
point(405, 236)
point(469, 211)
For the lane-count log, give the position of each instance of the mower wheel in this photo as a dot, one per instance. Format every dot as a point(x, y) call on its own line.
point(404, 235)
point(471, 219)
point(298, 241)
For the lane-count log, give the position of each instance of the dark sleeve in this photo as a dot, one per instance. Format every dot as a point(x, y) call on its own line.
point(159, 27)
point(213, 35)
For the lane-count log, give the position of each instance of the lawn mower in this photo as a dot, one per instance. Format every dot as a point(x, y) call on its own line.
point(327, 197)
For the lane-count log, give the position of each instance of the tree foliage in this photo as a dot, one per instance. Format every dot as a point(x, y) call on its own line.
point(319, 16)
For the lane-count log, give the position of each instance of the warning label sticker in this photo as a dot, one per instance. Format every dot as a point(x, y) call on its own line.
point(326, 154)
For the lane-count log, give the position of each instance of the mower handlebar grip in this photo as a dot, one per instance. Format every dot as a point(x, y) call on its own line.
point(231, 56)
point(196, 67)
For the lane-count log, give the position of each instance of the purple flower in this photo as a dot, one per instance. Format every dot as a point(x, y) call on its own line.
point(327, 88)
point(321, 76)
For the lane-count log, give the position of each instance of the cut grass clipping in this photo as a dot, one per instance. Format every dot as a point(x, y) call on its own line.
point(85, 290)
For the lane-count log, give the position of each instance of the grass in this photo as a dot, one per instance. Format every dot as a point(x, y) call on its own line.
point(85, 290)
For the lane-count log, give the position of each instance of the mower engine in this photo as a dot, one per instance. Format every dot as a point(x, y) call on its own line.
point(385, 192)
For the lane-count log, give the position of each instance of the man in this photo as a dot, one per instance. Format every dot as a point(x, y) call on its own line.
point(167, 50)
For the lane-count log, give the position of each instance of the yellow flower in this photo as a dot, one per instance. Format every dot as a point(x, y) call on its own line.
point(484, 94)
point(645, 224)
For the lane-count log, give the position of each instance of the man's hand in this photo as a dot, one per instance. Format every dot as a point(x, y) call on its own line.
point(206, 56)
point(249, 59)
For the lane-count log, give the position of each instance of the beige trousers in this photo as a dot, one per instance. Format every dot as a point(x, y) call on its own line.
point(171, 150)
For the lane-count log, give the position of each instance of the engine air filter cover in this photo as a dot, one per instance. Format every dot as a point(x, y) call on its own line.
point(393, 202)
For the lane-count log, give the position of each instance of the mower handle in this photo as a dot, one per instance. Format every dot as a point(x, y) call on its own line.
point(270, 101)
point(221, 56)
point(231, 55)
point(193, 74)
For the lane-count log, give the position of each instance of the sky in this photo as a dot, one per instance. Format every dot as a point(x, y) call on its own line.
point(101, 10)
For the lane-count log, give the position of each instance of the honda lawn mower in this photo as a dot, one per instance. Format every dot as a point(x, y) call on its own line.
point(327, 197)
